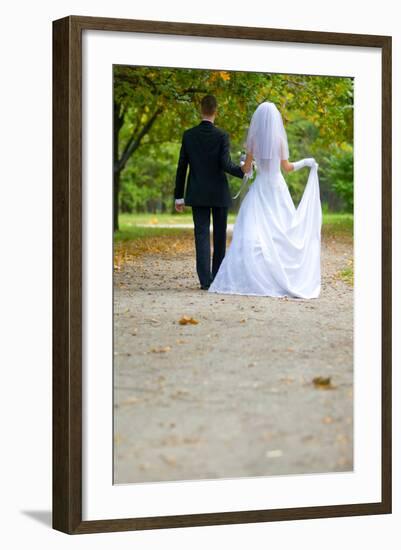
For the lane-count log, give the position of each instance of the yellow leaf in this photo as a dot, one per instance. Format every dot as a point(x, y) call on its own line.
point(322, 383)
point(161, 350)
point(188, 321)
point(224, 75)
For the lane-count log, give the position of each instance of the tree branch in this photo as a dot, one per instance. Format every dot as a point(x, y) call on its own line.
point(135, 142)
point(133, 133)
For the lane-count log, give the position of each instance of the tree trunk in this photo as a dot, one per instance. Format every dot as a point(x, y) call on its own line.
point(118, 120)
point(116, 192)
point(131, 146)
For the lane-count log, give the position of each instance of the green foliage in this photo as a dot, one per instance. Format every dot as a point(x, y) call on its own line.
point(146, 183)
point(340, 172)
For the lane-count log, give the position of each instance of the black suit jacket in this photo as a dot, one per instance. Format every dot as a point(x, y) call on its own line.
point(206, 149)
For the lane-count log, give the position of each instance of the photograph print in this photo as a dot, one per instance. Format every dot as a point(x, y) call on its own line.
point(233, 274)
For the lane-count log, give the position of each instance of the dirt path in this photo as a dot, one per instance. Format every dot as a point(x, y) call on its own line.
point(231, 396)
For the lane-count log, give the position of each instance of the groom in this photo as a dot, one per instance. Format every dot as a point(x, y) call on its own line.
point(206, 149)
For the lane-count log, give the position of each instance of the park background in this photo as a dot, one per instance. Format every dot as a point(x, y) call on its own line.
point(26, 498)
point(152, 107)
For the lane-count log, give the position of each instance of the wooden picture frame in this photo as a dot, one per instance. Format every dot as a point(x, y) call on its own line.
point(67, 273)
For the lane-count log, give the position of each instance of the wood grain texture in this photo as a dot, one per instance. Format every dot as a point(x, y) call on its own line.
point(67, 273)
point(67, 278)
point(228, 31)
point(386, 274)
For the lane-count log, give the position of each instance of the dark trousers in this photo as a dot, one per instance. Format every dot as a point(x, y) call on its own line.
point(201, 217)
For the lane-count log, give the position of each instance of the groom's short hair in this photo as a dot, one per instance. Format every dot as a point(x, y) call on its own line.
point(208, 105)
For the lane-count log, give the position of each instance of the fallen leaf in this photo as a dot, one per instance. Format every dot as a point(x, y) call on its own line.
point(130, 401)
point(161, 350)
point(323, 383)
point(188, 321)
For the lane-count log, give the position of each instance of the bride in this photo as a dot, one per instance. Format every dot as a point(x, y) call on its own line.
point(275, 249)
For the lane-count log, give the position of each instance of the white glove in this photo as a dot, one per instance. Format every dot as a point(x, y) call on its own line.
point(310, 162)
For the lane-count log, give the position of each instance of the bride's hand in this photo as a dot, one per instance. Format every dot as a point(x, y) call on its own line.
point(310, 162)
point(249, 173)
point(247, 166)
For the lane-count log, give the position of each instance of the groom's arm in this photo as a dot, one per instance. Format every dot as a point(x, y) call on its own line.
point(181, 173)
point(225, 159)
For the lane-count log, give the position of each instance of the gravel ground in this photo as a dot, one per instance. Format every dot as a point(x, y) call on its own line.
point(231, 396)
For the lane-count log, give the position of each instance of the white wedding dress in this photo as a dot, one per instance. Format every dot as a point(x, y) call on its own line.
point(275, 249)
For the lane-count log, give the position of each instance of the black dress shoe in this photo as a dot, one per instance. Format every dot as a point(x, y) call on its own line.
point(205, 287)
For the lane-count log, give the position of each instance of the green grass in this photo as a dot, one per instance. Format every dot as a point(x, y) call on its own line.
point(338, 224)
point(347, 275)
point(165, 219)
point(130, 225)
point(133, 232)
point(334, 224)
